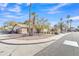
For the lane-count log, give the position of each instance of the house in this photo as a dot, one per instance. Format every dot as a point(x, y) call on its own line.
point(22, 30)
point(44, 30)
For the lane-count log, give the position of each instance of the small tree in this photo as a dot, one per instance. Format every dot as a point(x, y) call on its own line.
point(42, 24)
point(11, 25)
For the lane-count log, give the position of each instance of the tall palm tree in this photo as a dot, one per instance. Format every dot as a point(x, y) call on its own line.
point(67, 25)
point(69, 22)
point(61, 25)
point(33, 21)
point(34, 16)
point(68, 16)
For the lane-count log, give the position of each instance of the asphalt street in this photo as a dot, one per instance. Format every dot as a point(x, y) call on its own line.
point(65, 46)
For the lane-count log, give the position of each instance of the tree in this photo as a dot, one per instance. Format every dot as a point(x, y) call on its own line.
point(61, 25)
point(12, 25)
point(33, 21)
point(34, 17)
point(41, 24)
point(69, 22)
point(77, 26)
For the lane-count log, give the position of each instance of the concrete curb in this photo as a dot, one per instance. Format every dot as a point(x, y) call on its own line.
point(25, 42)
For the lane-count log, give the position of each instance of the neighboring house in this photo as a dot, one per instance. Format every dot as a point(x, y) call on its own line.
point(22, 30)
point(44, 30)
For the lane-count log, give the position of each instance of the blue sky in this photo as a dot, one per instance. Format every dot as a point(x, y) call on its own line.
point(53, 12)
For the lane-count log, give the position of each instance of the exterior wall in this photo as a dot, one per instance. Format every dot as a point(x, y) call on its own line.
point(44, 31)
point(22, 30)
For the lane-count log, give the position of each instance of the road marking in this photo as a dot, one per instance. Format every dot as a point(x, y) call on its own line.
point(71, 43)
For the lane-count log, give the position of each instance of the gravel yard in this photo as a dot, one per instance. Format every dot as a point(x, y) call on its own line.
point(23, 36)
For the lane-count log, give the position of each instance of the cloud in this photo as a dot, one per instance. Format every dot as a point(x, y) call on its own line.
point(19, 3)
point(3, 6)
point(54, 10)
point(2, 20)
point(16, 9)
point(28, 4)
point(58, 6)
point(75, 18)
point(12, 16)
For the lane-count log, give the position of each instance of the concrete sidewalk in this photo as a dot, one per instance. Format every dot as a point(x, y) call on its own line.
point(22, 42)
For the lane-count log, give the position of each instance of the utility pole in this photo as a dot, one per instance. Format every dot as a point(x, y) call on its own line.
point(30, 19)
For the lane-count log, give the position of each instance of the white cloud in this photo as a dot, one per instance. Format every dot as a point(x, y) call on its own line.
point(75, 18)
point(58, 6)
point(16, 9)
point(28, 4)
point(14, 17)
point(2, 20)
point(3, 5)
point(54, 10)
point(10, 16)
point(19, 3)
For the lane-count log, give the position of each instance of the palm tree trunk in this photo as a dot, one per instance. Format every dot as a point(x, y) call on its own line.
point(70, 24)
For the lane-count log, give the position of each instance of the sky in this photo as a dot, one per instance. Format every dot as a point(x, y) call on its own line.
point(52, 11)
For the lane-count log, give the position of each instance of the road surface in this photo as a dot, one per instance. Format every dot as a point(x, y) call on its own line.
point(66, 46)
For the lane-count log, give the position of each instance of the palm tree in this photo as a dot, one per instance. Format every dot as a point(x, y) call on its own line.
point(34, 16)
point(61, 25)
point(69, 22)
point(68, 16)
point(33, 21)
